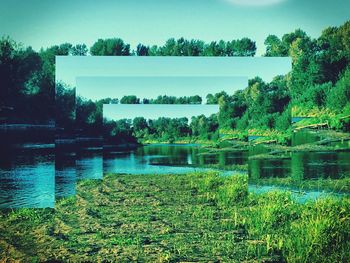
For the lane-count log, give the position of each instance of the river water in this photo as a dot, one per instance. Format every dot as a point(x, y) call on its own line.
point(28, 177)
point(303, 165)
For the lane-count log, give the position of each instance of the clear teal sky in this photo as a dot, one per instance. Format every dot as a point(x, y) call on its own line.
point(97, 88)
point(154, 111)
point(42, 23)
point(70, 67)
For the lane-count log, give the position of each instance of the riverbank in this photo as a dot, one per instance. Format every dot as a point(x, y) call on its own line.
point(341, 185)
point(325, 140)
point(171, 218)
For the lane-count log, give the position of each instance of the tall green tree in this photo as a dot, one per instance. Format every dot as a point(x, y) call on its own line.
point(110, 47)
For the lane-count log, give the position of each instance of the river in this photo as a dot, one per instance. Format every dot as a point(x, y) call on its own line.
point(28, 178)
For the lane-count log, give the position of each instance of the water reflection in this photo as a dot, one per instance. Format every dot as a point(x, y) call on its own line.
point(305, 136)
point(302, 165)
point(167, 159)
point(28, 178)
point(265, 168)
point(316, 165)
point(27, 173)
point(89, 163)
point(65, 173)
point(299, 196)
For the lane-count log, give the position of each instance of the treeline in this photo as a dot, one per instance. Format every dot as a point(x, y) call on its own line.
point(89, 113)
point(268, 106)
point(173, 47)
point(318, 83)
point(264, 107)
point(27, 77)
point(161, 130)
point(161, 99)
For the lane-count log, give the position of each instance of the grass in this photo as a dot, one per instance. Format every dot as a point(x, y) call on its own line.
point(341, 185)
point(335, 120)
point(170, 218)
point(181, 140)
point(315, 232)
point(280, 137)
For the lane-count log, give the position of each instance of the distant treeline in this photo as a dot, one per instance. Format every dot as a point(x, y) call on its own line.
point(318, 83)
point(161, 99)
point(162, 129)
point(27, 77)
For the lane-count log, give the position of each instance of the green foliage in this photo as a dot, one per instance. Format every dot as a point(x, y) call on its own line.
point(142, 50)
point(79, 50)
point(275, 47)
point(273, 211)
point(268, 104)
point(28, 83)
point(233, 191)
point(313, 232)
point(110, 47)
point(28, 214)
point(130, 99)
point(161, 130)
point(231, 223)
point(318, 83)
point(339, 95)
point(225, 191)
point(320, 234)
point(118, 132)
point(174, 100)
point(184, 47)
point(65, 105)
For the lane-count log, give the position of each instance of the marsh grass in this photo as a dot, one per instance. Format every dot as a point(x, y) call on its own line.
point(314, 232)
point(341, 185)
point(170, 218)
point(321, 233)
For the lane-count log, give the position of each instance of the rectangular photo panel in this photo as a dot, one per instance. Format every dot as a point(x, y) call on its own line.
point(27, 123)
point(321, 138)
point(92, 92)
point(148, 139)
point(69, 67)
point(27, 173)
point(270, 129)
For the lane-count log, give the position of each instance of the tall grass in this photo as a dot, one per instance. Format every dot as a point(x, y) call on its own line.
point(321, 232)
point(313, 232)
point(280, 227)
point(222, 190)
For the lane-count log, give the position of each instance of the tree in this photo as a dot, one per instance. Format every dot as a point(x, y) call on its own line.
point(168, 49)
point(275, 47)
point(339, 95)
point(79, 50)
point(110, 47)
point(65, 107)
point(195, 47)
point(130, 99)
point(139, 124)
point(244, 47)
point(142, 50)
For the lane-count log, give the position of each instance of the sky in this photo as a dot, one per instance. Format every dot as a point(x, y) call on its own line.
point(155, 111)
point(68, 68)
point(42, 23)
point(96, 88)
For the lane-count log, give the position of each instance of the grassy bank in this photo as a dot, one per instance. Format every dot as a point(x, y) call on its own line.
point(332, 119)
point(182, 140)
point(271, 136)
point(341, 185)
point(170, 218)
